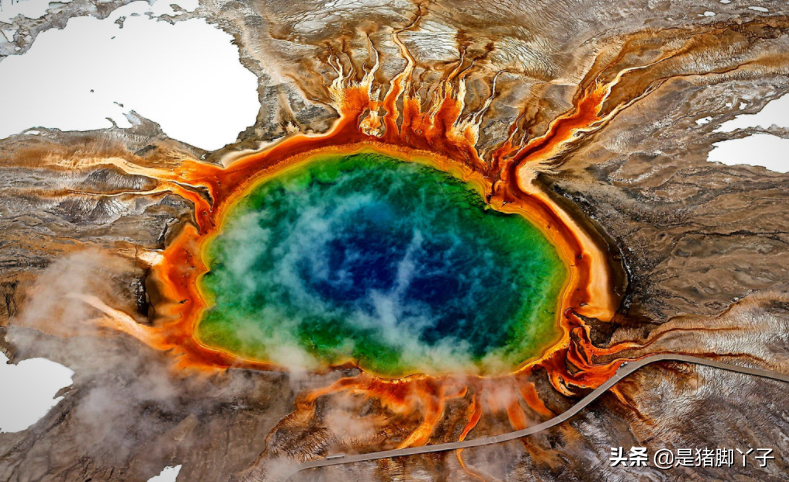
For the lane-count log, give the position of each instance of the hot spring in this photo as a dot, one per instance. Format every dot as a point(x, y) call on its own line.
point(394, 266)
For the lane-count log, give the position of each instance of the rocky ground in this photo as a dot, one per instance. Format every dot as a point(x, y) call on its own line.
point(705, 246)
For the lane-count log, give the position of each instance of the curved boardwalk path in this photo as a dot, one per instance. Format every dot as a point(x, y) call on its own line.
point(623, 371)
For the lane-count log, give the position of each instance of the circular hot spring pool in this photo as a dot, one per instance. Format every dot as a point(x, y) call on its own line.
point(394, 266)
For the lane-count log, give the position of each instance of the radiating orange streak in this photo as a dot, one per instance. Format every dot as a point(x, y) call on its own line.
point(396, 88)
point(562, 130)
point(427, 395)
point(619, 396)
point(432, 409)
point(475, 413)
point(401, 397)
point(399, 393)
point(433, 402)
point(516, 415)
point(118, 320)
point(529, 394)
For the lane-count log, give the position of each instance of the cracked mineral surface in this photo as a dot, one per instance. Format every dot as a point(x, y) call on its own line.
point(369, 225)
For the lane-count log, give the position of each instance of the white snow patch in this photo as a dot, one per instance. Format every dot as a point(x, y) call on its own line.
point(169, 474)
point(709, 14)
point(703, 120)
point(8, 34)
point(187, 77)
point(27, 391)
point(759, 9)
point(775, 112)
point(757, 150)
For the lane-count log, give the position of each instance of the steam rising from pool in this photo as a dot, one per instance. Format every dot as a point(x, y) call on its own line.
point(392, 265)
